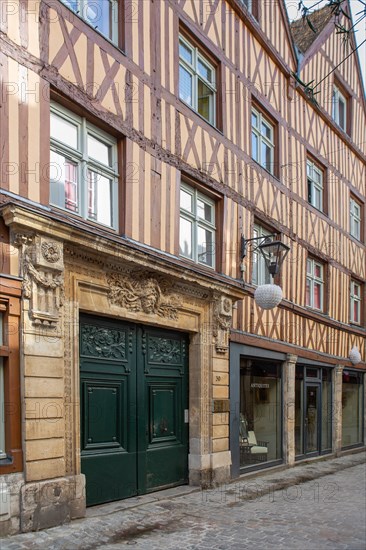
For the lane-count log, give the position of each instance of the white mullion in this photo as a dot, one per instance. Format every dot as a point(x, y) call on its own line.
point(83, 186)
point(114, 21)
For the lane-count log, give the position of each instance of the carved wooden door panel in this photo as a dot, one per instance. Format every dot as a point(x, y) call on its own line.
point(133, 384)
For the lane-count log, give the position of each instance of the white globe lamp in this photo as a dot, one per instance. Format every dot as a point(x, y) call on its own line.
point(268, 296)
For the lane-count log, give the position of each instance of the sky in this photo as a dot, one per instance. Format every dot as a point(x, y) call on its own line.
point(356, 6)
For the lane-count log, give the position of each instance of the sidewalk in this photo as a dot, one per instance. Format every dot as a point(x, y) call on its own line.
point(120, 523)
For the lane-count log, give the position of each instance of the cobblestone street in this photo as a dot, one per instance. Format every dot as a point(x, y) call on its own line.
point(328, 511)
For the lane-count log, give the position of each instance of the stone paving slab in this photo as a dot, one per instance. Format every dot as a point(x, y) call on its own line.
point(317, 505)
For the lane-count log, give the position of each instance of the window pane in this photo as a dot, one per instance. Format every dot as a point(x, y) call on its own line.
point(317, 295)
point(72, 4)
point(342, 114)
point(266, 130)
point(204, 71)
point(64, 131)
point(205, 246)
point(317, 198)
point(64, 182)
point(99, 14)
point(186, 200)
point(318, 271)
point(185, 53)
point(204, 210)
point(99, 150)
point(356, 229)
point(99, 198)
point(205, 101)
point(356, 289)
point(310, 191)
point(185, 85)
point(267, 157)
point(255, 151)
point(254, 120)
point(308, 266)
point(308, 291)
point(356, 311)
point(185, 238)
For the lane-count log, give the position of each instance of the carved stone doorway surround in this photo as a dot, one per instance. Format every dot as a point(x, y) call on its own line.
point(131, 293)
point(66, 271)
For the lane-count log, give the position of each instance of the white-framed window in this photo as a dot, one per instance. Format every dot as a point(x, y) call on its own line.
point(260, 274)
point(197, 80)
point(339, 108)
point(314, 284)
point(197, 226)
point(355, 218)
point(83, 168)
point(355, 302)
point(2, 396)
point(263, 145)
point(102, 15)
point(315, 184)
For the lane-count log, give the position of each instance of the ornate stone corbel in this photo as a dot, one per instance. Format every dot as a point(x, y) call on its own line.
point(222, 317)
point(43, 283)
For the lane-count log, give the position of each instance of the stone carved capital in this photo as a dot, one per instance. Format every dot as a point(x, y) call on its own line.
point(43, 280)
point(143, 292)
point(222, 317)
point(22, 239)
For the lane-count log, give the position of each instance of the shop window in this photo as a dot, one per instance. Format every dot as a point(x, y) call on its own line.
point(355, 218)
point(315, 178)
point(352, 408)
point(2, 394)
point(197, 229)
point(260, 412)
point(355, 302)
point(197, 80)
point(339, 108)
point(83, 168)
point(315, 284)
point(10, 410)
point(102, 15)
point(263, 141)
point(260, 274)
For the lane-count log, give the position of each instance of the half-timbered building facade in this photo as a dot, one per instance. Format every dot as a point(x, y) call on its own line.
point(140, 143)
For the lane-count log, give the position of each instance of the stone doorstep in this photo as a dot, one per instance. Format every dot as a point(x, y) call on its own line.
point(304, 470)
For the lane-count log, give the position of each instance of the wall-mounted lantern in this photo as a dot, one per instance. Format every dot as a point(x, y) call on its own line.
point(274, 252)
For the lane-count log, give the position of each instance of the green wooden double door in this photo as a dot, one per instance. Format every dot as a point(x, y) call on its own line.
point(134, 401)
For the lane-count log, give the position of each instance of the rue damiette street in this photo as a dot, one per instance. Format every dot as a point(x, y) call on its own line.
point(317, 505)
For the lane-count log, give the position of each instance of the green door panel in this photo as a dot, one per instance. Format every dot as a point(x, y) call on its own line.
point(164, 397)
point(133, 392)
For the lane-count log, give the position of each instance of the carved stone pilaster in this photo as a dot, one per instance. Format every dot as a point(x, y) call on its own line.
point(222, 317)
point(337, 409)
point(42, 269)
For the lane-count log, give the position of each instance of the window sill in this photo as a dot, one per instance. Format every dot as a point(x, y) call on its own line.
point(355, 239)
point(203, 267)
point(317, 210)
point(274, 176)
point(76, 218)
point(318, 311)
point(203, 119)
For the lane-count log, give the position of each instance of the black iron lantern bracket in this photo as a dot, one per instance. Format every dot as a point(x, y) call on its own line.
point(273, 251)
